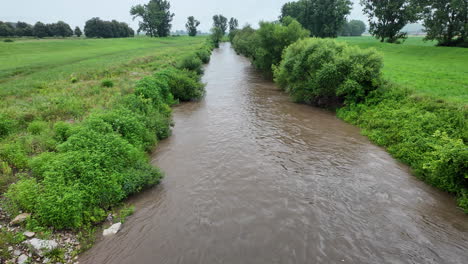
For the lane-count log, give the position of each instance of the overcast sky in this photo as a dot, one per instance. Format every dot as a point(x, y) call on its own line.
point(76, 12)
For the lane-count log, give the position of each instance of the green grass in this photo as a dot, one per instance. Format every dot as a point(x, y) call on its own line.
point(438, 72)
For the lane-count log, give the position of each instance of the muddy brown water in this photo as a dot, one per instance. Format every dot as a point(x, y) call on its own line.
point(253, 178)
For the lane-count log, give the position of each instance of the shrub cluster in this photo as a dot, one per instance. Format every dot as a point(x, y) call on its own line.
point(97, 28)
point(320, 71)
point(265, 45)
point(91, 166)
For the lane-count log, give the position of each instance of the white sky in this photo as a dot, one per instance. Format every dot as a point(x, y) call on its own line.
point(76, 12)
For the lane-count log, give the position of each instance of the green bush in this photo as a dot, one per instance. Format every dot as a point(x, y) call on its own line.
point(37, 127)
point(245, 42)
point(320, 71)
point(7, 126)
point(107, 83)
point(62, 131)
point(204, 55)
point(8, 40)
point(22, 195)
point(191, 63)
point(185, 85)
point(14, 154)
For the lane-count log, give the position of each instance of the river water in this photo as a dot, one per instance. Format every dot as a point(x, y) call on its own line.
point(253, 178)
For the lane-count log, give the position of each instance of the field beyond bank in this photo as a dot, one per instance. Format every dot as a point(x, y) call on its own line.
point(438, 72)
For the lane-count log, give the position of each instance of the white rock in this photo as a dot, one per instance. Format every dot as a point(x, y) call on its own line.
point(46, 260)
point(22, 259)
point(10, 248)
point(16, 252)
point(112, 230)
point(29, 234)
point(40, 246)
point(20, 218)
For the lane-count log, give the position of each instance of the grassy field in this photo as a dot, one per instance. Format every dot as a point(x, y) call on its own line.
point(439, 72)
point(63, 80)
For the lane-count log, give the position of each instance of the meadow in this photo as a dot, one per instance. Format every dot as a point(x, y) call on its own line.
point(439, 72)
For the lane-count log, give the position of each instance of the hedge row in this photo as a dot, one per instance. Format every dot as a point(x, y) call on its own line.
point(103, 159)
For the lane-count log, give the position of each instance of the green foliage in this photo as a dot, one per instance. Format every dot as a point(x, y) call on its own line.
point(191, 26)
point(427, 134)
point(216, 36)
point(333, 70)
point(97, 28)
point(191, 63)
point(204, 55)
point(323, 18)
point(78, 32)
point(37, 127)
point(245, 41)
point(107, 83)
point(156, 16)
point(8, 40)
point(387, 18)
point(185, 85)
point(353, 28)
point(220, 22)
point(7, 125)
point(446, 21)
point(22, 195)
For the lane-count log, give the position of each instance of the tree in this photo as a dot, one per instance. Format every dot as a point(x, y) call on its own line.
point(323, 18)
point(97, 28)
point(219, 21)
point(233, 24)
point(191, 26)
point(388, 17)
point(23, 29)
point(6, 29)
point(156, 18)
point(356, 27)
point(446, 21)
point(62, 29)
point(40, 30)
point(78, 32)
point(216, 36)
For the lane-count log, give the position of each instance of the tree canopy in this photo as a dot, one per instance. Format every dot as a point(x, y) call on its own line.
point(191, 26)
point(388, 17)
point(78, 32)
point(353, 28)
point(323, 18)
point(220, 21)
point(233, 24)
point(156, 18)
point(97, 28)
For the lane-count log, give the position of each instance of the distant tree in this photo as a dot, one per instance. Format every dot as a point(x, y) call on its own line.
point(219, 21)
point(62, 29)
point(191, 26)
point(97, 28)
point(388, 17)
point(23, 29)
point(216, 36)
point(233, 24)
point(356, 27)
point(323, 18)
point(40, 30)
point(446, 21)
point(156, 18)
point(78, 32)
point(6, 29)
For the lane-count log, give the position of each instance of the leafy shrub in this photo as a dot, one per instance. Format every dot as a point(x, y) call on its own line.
point(7, 126)
point(62, 131)
point(204, 55)
point(22, 195)
point(107, 83)
point(245, 42)
point(14, 154)
point(185, 85)
point(37, 127)
point(191, 63)
point(8, 40)
point(73, 79)
point(317, 70)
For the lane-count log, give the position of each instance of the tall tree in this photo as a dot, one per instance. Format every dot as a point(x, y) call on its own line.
point(233, 24)
point(192, 25)
point(323, 18)
point(40, 30)
point(23, 29)
point(156, 18)
point(446, 21)
point(78, 32)
point(356, 27)
point(220, 21)
point(388, 17)
point(6, 29)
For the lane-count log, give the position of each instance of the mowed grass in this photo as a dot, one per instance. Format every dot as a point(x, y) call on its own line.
point(439, 72)
point(43, 82)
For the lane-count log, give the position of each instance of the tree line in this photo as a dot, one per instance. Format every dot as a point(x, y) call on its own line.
point(39, 30)
point(444, 20)
point(97, 28)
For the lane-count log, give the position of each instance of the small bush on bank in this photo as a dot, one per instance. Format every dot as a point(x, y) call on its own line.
point(185, 85)
point(191, 63)
point(204, 55)
point(320, 71)
point(107, 83)
point(7, 126)
point(8, 40)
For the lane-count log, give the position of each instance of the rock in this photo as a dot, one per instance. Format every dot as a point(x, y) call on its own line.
point(16, 252)
point(10, 248)
point(46, 260)
point(29, 234)
point(109, 218)
point(40, 246)
point(20, 218)
point(22, 259)
point(112, 230)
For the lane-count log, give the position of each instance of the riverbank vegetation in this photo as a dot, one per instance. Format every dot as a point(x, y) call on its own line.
point(415, 124)
point(71, 147)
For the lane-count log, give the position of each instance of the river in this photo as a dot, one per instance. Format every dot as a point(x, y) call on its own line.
point(252, 177)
